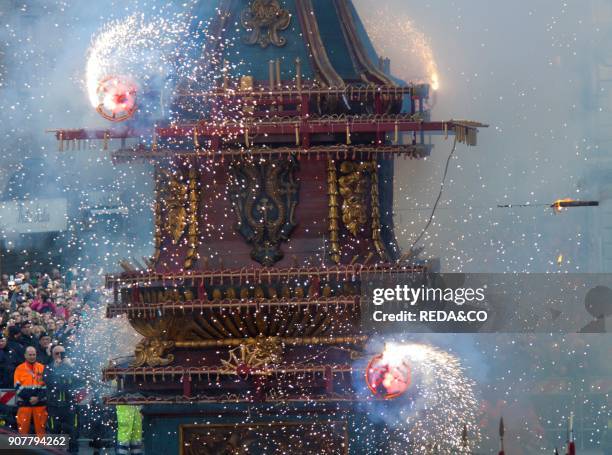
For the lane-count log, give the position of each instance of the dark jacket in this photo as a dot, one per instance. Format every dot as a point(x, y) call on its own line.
point(42, 356)
point(16, 353)
point(63, 383)
point(16, 298)
point(6, 370)
point(28, 340)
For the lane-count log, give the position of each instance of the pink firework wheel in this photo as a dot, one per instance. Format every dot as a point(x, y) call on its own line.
point(387, 380)
point(116, 98)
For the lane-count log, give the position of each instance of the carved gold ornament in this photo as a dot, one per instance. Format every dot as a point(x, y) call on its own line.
point(264, 19)
point(176, 211)
point(150, 352)
point(376, 224)
point(175, 202)
point(256, 355)
point(353, 191)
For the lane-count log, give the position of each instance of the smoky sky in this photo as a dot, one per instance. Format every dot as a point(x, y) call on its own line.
point(43, 52)
point(538, 74)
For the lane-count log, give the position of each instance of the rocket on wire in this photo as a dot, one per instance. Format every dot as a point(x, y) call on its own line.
point(557, 206)
point(502, 431)
point(571, 445)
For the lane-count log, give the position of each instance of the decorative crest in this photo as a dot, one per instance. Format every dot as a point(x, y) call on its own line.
point(264, 19)
point(265, 195)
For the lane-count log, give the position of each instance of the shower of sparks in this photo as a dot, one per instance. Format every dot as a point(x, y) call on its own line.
point(412, 57)
point(135, 49)
point(442, 403)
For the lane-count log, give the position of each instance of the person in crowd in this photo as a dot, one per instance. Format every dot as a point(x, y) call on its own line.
point(43, 304)
point(6, 365)
point(16, 317)
point(16, 351)
point(36, 310)
point(51, 327)
point(56, 274)
point(14, 295)
point(62, 383)
point(61, 310)
point(37, 329)
point(44, 354)
point(91, 295)
point(31, 394)
point(26, 338)
point(5, 307)
point(70, 329)
point(70, 277)
point(59, 329)
point(35, 279)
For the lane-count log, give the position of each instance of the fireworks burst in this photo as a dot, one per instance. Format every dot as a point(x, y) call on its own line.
point(441, 401)
point(135, 49)
point(412, 56)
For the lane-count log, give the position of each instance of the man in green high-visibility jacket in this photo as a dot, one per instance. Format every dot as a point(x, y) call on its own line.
point(129, 430)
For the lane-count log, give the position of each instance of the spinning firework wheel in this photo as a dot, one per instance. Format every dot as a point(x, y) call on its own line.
point(116, 98)
point(386, 379)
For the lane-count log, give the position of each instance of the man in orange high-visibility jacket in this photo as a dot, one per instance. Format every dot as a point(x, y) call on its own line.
point(31, 394)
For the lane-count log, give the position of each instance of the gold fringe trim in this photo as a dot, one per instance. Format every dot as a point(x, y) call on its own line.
point(376, 225)
point(294, 341)
point(157, 214)
point(334, 211)
point(193, 230)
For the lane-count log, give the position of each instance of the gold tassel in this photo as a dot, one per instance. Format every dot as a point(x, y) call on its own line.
point(445, 131)
point(461, 135)
point(225, 74)
point(246, 138)
point(472, 137)
point(154, 142)
point(196, 141)
point(396, 138)
point(297, 135)
point(348, 135)
point(61, 141)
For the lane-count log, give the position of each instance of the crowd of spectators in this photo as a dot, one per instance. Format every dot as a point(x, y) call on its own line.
point(40, 310)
